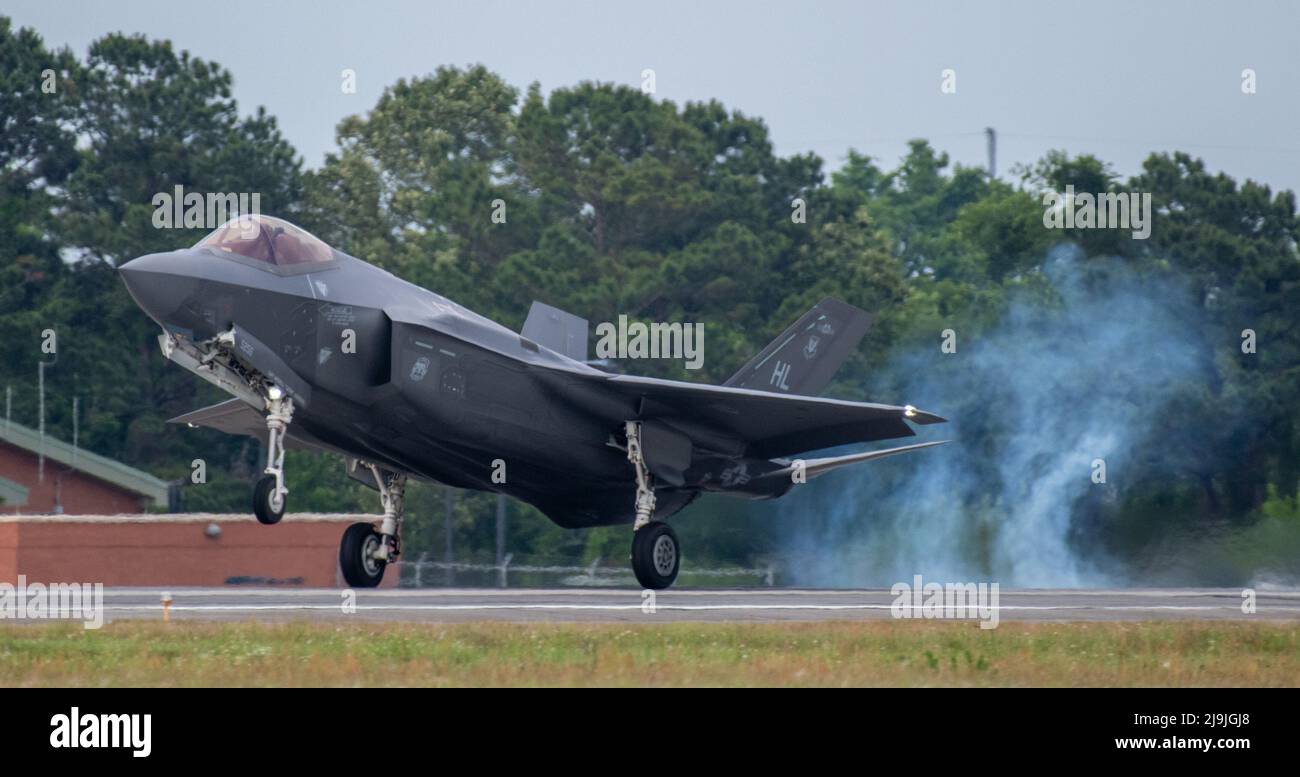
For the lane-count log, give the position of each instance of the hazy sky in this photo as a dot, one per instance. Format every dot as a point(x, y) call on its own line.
point(1118, 79)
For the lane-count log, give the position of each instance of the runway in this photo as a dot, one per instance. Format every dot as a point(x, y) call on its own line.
point(447, 605)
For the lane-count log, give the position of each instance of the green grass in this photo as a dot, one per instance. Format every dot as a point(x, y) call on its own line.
point(678, 654)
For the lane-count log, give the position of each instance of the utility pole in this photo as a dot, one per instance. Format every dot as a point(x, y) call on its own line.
point(501, 529)
point(75, 402)
point(40, 404)
point(9, 404)
point(40, 476)
point(992, 137)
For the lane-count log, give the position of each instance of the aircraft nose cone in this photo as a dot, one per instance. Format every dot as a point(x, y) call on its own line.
point(153, 285)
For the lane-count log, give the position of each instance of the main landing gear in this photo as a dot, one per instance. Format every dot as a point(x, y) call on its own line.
point(365, 551)
point(270, 492)
point(656, 554)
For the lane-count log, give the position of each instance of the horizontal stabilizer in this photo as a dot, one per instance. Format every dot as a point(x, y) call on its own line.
point(557, 330)
point(814, 467)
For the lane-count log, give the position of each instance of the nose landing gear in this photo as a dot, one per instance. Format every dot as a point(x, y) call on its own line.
point(270, 492)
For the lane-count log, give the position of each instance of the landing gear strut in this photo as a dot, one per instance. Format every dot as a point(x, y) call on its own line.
point(270, 492)
point(365, 550)
point(656, 554)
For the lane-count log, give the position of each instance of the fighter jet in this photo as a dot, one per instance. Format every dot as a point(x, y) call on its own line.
point(325, 352)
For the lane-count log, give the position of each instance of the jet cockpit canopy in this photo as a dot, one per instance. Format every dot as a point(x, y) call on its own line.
point(268, 239)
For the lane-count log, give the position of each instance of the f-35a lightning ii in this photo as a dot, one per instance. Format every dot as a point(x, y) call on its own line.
point(325, 352)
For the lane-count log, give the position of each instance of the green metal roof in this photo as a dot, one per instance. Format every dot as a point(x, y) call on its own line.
point(84, 461)
point(12, 494)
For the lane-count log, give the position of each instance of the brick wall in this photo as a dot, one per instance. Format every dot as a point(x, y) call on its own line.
point(175, 550)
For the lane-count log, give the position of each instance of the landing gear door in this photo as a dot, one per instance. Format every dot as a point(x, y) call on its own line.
point(667, 452)
point(259, 356)
point(362, 474)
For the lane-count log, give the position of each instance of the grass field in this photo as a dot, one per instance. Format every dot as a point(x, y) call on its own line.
point(681, 654)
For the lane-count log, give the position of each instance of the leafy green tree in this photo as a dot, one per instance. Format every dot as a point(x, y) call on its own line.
point(38, 105)
point(418, 180)
point(151, 119)
point(1239, 247)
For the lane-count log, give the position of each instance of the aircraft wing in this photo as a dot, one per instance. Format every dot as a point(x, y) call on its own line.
point(768, 424)
point(234, 416)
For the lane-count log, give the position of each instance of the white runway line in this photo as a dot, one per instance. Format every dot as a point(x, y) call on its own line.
point(779, 592)
point(673, 607)
point(740, 605)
